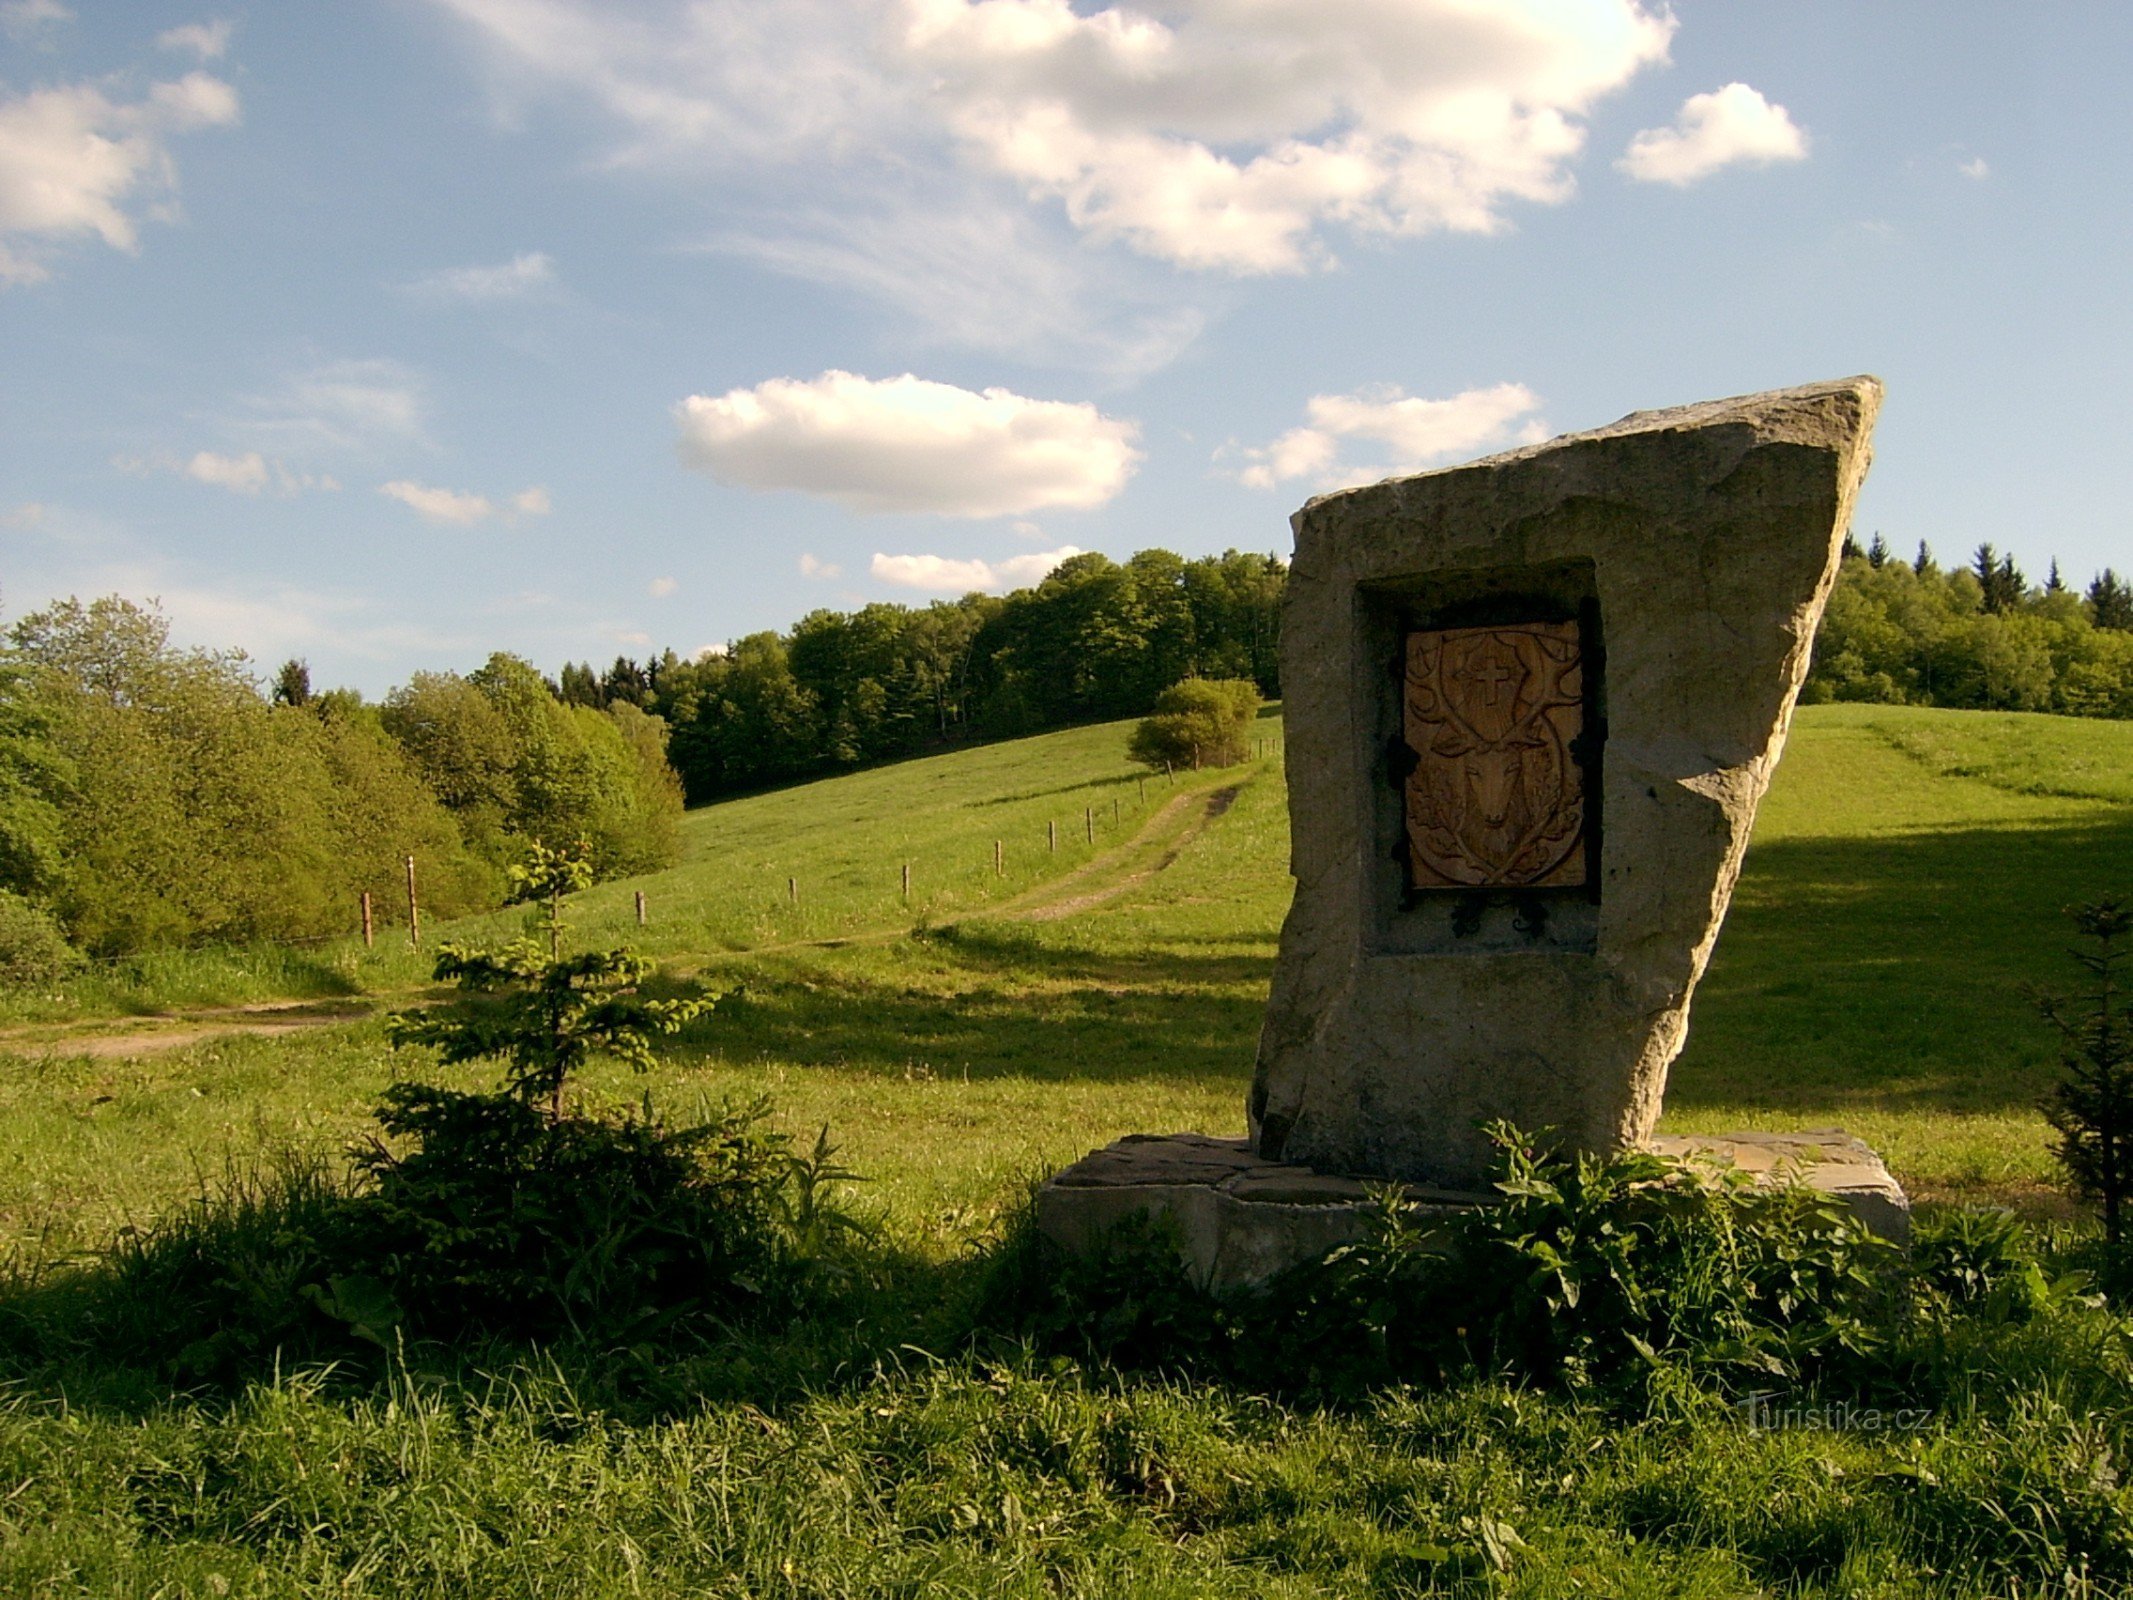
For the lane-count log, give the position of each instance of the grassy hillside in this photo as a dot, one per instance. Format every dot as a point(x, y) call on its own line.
point(1902, 890)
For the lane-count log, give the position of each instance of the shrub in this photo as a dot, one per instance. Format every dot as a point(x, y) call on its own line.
point(1630, 1274)
point(1198, 723)
point(2092, 1109)
point(497, 1217)
point(32, 949)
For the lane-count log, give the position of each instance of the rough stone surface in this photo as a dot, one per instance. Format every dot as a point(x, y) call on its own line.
point(1696, 547)
point(1825, 1159)
point(1241, 1219)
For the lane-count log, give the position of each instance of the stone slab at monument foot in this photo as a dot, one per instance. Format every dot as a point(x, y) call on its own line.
point(1531, 704)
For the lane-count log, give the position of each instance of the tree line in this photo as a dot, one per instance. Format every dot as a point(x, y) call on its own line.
point(154, 796)
point(1976, 637)
point(1097, 639)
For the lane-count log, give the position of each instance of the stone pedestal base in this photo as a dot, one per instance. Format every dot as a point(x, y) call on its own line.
point(1241, 1219)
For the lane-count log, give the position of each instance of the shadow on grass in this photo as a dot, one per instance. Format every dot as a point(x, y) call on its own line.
point(1896, 971)
point(1891, 972)
point(1010, 1006)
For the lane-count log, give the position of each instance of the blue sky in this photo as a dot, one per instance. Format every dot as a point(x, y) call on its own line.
point(387, 334)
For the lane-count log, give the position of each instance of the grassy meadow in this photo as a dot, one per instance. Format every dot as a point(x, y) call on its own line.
point(1901, 896)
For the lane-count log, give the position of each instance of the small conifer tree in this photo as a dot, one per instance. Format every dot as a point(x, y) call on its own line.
point(2092, 1109)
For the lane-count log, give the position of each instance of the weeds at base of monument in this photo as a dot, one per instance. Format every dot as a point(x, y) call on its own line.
point(1635, 1275)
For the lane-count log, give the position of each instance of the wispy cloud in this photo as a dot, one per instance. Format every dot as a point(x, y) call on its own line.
point(813, 567)
point(952, 575)
point(247, 472)
point(26, 19)
point(1414, 433)
point(461, 509)
point(527, 276)
point(210, 41)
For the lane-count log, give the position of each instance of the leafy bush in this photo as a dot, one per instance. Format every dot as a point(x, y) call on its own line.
point(1616, 1273)
point(497, 1217)
point(32, 949)
point(1198, 723)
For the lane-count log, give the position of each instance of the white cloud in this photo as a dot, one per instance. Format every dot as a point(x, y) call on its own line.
point(1720, 129)
point(1415, 433)
point(22, 19)
point(27, 515)
point(1227, 136)
point(459, 508)
point(245, 473)
point(525, 276)
point(1205, 133)
point(947, 575)
point(439, 505)
point(1976, 167)
point(210, 41)
point(661, 588)
point(72, 159)
point(909, 445)
point(810, 567)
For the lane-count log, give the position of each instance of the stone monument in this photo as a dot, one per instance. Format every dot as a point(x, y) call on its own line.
point(1531, 705)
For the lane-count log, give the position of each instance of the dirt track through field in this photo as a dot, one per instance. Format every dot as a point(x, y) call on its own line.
point(1158, 842)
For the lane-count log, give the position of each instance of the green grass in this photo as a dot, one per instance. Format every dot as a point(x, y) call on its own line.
point(1903, 887)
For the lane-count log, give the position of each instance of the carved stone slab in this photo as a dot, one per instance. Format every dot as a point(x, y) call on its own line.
point(1497, 797)
point(1696, 547)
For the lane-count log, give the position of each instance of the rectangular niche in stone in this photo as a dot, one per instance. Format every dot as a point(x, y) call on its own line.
point(1496, 796)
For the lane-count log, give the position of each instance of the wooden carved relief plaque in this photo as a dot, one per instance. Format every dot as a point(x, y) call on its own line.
point(1496, 799)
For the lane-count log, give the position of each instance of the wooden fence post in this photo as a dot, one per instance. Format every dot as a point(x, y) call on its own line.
point(1051, 834)
point(1088, 822)
point(640, 908)
point(999, 860)
point(907, 880)
point(367, 940)
point(792, 890)
point(1114, 811)
point(1142, 780)
point(414, 910)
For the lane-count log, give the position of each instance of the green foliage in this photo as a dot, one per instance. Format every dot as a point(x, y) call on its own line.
point(1094, 639)
point(543, 1018)
point(190, 809)
point(32, 949)
point(1631, 1274)
point(1198, 723)
point(517, 765)
point(2092, 1108)
point(1975, 639)
point(491, 1216)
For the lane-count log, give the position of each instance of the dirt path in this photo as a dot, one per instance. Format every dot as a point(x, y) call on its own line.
point(1158, 842)
point(109, 1039)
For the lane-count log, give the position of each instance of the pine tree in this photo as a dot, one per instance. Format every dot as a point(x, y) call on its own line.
point(1851, 548)
point(1999, 578)
point(1924, 562)
point(2111, 601)
point(2092, 1109)
point(292, 684)
point(2052, 582)
point(1877, 552)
